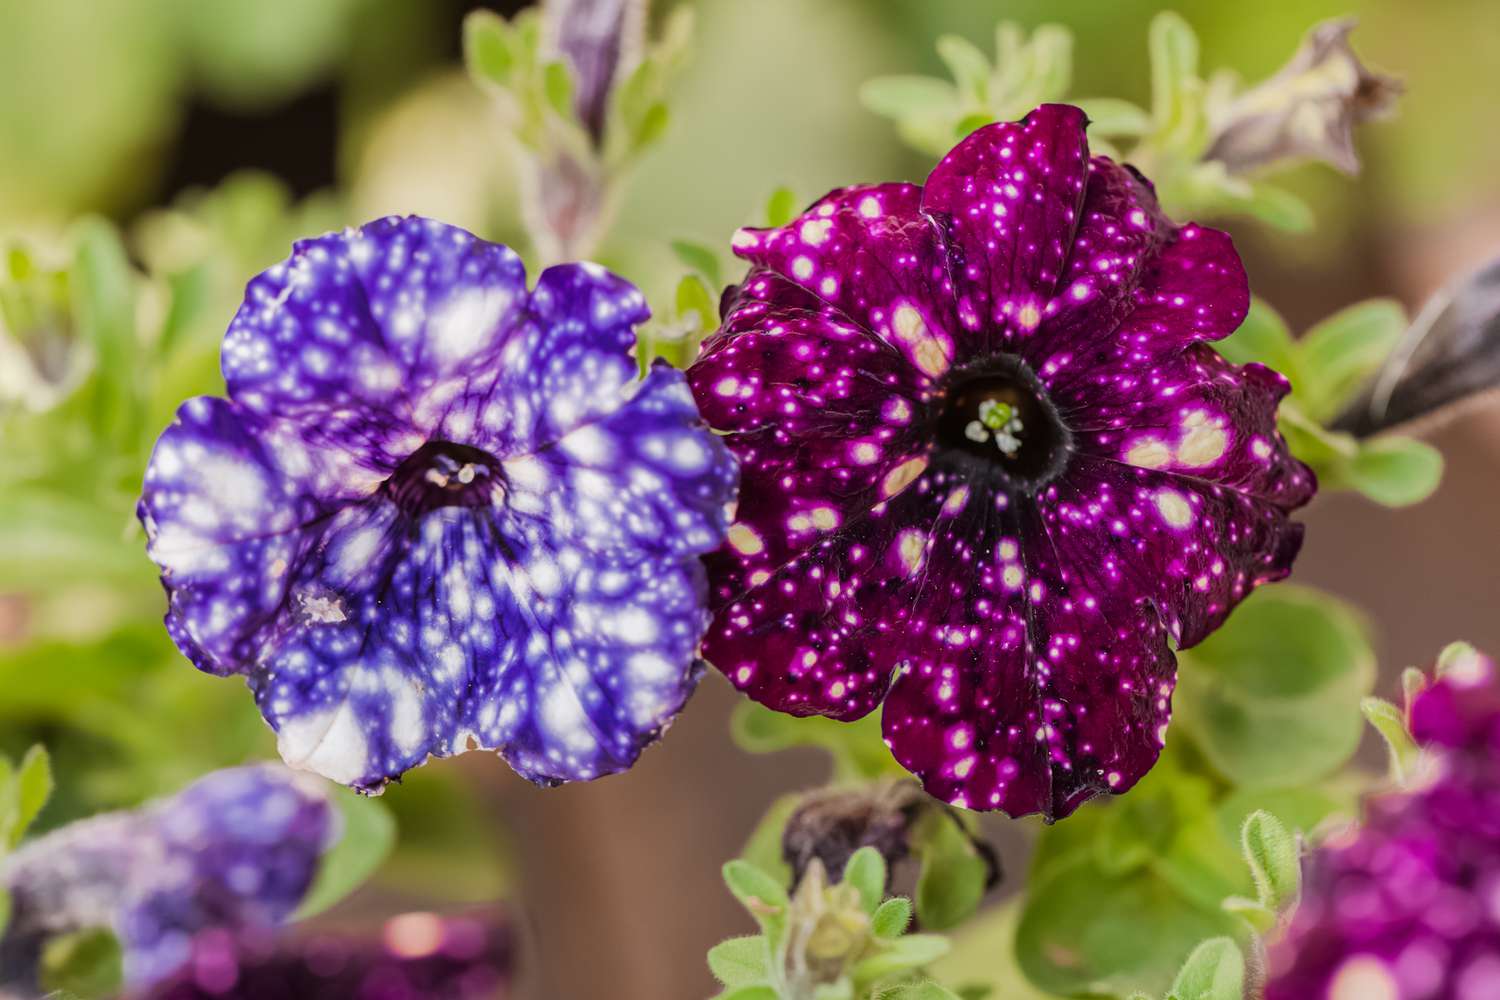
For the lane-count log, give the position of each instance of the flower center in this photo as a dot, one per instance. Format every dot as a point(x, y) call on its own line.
point(995, 412)
point(445, 474)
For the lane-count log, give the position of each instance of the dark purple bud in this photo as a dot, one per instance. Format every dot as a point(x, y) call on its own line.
point(1448, 357)
point(601, 42)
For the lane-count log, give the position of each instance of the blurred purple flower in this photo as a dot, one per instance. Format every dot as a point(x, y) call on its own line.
point(236, 849)
point(419, 956)
point(1407, 907)
point(991, 467)
point(438, 512)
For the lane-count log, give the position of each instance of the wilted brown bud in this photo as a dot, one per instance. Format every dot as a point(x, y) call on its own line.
point(1308, 110)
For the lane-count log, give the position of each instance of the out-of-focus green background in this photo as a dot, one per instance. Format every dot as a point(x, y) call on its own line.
point(150, 112)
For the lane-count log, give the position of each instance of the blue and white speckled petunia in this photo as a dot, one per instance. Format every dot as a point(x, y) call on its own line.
point(438, 512)
point(237, 849)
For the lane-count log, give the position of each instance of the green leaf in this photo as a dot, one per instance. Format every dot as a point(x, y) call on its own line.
point(1396, 471)
point(904, 953)
point(1272, 697)
point(781, 207)
point(487, 51)
point(695, 300)
point(1113, 117)
point(33, 784)
point(951, 882)
point(103, 289)
point(903, 97)
point(1263, 337)
point(1343, 351)
point(754, 888)
point(369, 833)
point(557, 87)
point(1174, 69)
point(652, 127)
point(1084, 933)
point(1390, 722)
point(891, 918)
point(1275, 860)
point(918, 991)
point(86, 964)
point(859, 752)
point(4, 911)
point(865, 871)
point(1275, 206)
point(756, 992)
point(741, 961)
point(1260, 917)
point(763, 846)
point(697, 257)
point(1214, 971)
point(970, 68)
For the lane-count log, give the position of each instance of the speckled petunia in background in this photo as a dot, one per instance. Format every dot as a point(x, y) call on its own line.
point(237, 849)
point(991, 470)
point(439, 513)
point(1407, 907)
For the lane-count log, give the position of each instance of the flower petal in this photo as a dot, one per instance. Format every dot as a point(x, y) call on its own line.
point(349, 335)
point(1051, 686)
point(1007, 201)
point(559, 629)
point(223, 499)
point(872, 255)
point(1197, 416)
point(821, 414)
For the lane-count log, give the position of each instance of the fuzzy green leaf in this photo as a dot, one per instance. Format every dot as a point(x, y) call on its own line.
point(1396, 471)
point(1390, 722)
point(1272, 697)
point(1342, 352)
point(740, 961)
point(84, 964)
point(891, 918)
point(487, 50)
point(699, 258)
point(1264, 338)
point(865, 871)
point(1275, 860)
point(903, 954)
point(1113, 117)
point(781, 207)
point(33, 787)
point(369, 833)
point(951, 882)
point(902, 97)
point(970, 68)
point(754, 888)
point(918, 991)
point(1214, 971)
point(1261, 918)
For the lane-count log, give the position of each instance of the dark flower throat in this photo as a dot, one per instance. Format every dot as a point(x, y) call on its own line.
point(995, 417)
point(444, 474)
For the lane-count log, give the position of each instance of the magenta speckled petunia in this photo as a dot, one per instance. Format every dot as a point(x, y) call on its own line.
point(1408, 906)
point(438, 512)
point(990, 467)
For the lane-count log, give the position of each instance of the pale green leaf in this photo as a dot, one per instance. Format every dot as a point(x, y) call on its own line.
point(368, 834)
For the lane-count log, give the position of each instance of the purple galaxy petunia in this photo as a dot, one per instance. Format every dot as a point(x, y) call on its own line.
point(418, 956)
point(1407, 907)
point(990, 466)
point(236, 849)
point(439, 513)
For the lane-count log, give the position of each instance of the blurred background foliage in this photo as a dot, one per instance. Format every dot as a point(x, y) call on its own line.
point(154, 154)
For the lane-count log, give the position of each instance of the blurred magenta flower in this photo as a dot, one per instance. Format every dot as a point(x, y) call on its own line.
point(991, 468)
point(438, 512)
point(418, 956)
point(1407, 907)
point(236, 849)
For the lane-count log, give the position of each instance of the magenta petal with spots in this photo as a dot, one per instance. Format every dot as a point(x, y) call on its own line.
point(991, 470)
point(1404, 905)
point(438, 512)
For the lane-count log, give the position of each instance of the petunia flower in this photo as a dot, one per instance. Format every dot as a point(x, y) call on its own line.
point(991, 470)
point(438, 512)
point(236, 849)
point(1405, 907)
point(417, 956)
